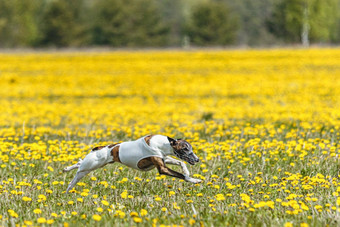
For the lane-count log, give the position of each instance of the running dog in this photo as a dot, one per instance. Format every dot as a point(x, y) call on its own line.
point(143, 154)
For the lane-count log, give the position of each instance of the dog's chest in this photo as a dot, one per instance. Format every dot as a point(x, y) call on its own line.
point(135, 154)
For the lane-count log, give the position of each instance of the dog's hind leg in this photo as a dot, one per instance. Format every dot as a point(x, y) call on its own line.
point(75, 166)
point(76, 179)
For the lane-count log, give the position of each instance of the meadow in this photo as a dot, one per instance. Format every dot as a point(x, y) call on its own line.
point(265, 124)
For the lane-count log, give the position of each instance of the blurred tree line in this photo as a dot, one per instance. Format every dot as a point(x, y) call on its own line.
point(159, 23)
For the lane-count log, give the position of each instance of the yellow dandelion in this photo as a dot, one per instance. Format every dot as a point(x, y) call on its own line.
point(105, 203)
point(288, 224)
point(133, 214)
point(50, 221)
point(143, 212)
point(41, 198)
point(37, 211)
point(191, 221)
point(96, 217)
point(137, 220)
point(176, 206)
point(120, 213)
point(28, 223)
point(219, 197)
point(124, 194)
point(41, 220)
point(99, 209)
point(13, 214)
point(124, 180)
point(84, 194)
point(26, 199)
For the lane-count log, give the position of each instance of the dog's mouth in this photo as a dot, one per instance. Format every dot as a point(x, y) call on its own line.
point(191, 160)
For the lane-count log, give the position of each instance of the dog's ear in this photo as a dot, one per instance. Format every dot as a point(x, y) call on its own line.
point(172, 141)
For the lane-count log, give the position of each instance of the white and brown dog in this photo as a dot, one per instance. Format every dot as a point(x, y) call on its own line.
point(143, 154)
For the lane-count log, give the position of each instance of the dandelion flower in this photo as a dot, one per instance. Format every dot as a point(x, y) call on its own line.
point(26, 199)
point(105, 203)
point(41, 220)
point(37, 211)
point(133, 214)
point(96, 217)
point(28, 223)
point(288, 224)
point(84, 194)
point(99, 209)
point(137, 219)
point(143, 212)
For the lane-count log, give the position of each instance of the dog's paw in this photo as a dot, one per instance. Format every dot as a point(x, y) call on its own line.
point(193, 180)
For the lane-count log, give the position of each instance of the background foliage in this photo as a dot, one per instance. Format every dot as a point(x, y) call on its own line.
point(144, 23)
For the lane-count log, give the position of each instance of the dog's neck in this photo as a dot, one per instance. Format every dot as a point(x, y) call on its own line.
point(162, 143)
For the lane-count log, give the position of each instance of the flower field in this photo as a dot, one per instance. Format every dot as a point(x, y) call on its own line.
point(265, 124)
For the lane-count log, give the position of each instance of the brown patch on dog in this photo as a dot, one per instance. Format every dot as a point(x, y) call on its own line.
point(115, 152)
point(147, 139)
point(98, 148)
point(145, 163)
point(179, 144)
point(112, 145)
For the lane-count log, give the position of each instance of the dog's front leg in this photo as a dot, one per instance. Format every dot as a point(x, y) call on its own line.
point(162, 169)
point(169, 160)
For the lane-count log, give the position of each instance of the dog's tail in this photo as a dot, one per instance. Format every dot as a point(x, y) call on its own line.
point(75, 166)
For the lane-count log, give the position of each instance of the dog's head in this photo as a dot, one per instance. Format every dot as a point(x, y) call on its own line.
point(183, 150)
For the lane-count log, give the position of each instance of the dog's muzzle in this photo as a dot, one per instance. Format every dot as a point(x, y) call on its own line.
point(190, 158)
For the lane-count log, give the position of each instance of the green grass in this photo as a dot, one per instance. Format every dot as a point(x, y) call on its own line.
point(264, 177)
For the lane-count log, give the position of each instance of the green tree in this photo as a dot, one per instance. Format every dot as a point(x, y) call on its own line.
point(57, 24)
point(128, 23)
point(211, 23)
point(65, 23)
point(172, 11)
point(19, 22)
point(304, 20)
point(253, 16)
